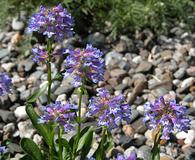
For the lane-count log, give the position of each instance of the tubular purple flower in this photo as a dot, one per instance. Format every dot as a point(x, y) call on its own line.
point(109, 110)
point(86, 64)
point(5, 84)
point(167, 115)
point(2, 150)
point(40, 54)
point(53, 22)
point(62, 114)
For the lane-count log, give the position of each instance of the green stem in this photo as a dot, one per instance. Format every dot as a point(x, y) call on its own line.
point(78, 120)
point(60, 144)
point(49, 50)
point(102, 155)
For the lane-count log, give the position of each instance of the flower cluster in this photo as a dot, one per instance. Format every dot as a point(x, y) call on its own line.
point(132, 156)
point(167, 115)
point(109, 110)
point(2, 150)
point(5, 84)
point(53, 22)
point(63, 114)
point(85, 64)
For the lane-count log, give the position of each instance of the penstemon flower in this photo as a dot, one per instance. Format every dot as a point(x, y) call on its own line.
point(132, 156)
point(86, 64)
point(2, 150)
point(5, 84)
point(40, 54)
point(108, 109)
point(167, 115)
point(63, 114)
point(53, 22)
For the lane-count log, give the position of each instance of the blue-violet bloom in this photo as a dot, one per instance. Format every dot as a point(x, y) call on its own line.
point(86, 64)
point(167, 116)
point(2, 150)
point(110, 110)
point(53, 22)
point(62, 114)
point(5, 84)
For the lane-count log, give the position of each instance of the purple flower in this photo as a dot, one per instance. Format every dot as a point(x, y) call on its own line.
point(40, 54)
point(166, 115)
point(2, 150)
point(53, 22)
point(109, 110)
point(63, 114)
point(5, 84)
point(132, 156)
point(86, 64)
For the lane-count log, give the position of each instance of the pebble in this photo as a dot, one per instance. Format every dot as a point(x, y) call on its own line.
point(20, 113)
point(9, 128)
point(4, 53)
point(26, 129)
point(17, 25)
point(144, 67)
point(7, 116)
point(97, 39)
point(180, 73)
point(144, 152)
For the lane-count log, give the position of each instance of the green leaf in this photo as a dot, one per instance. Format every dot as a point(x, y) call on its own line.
point(86, 139)
point(31, 149)
point(37, 94)
point(43, 129)
point(58, 77)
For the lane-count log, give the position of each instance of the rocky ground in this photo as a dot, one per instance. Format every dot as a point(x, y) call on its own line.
point(142, 67)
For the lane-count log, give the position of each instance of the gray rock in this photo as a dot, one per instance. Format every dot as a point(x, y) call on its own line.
point(134, 115)
point(113, 58)
point(7, 116)
point(24, 95)
point(121, 46)
point(189, 153)
point(13, 147)
point(4, 102)
point(118, 73)
point(139, 126)
point(9, 128)
point(192, 52)
point(189, 98)
point(4, 53)
point(144, 152)
point(180, 73)
point(17, 25)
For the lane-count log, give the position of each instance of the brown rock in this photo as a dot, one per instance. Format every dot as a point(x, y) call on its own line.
point(166, 55)
point(191, 71)
point(118, 73)
point(144, 67)
point(166, 158)
point(128, 130)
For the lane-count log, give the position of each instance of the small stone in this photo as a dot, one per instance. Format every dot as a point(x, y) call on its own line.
point(37, 139)
point(24, 95)
point(144, 67)
point(190, 137)
point(8, 66)
point(191, 71)
point(128, 130)
point(192, 52)
point(186, 83)
point(4, 53)
point(118, 73)
point(166, 55)
point(139, 126)
point(14, 148)
point(113, 58)
point(17, 25)
point(7, 116)
point(121, 46)
point(134, 115)
point(144, 152)
point(26, 129)
point(181, 135)
point(140, 109)
point(165, 157)
point(188, 98)
point(20, 113)
point(180, 73)
point(9, 128)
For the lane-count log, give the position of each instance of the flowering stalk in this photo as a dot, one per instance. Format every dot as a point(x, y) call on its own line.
point(104, 129)
point(49, 49)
